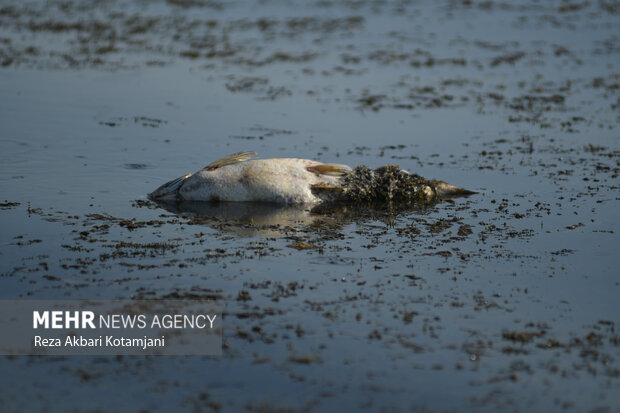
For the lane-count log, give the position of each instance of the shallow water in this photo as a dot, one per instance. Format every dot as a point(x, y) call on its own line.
point(505, 300)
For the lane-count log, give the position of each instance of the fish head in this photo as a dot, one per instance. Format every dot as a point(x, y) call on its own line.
point(170, 190)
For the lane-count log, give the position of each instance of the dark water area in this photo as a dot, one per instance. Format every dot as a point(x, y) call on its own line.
point(506, 300)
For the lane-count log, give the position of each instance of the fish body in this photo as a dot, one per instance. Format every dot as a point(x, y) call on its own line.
point(240, 178)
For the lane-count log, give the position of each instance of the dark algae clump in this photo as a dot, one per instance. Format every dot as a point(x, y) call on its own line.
point(390, 183)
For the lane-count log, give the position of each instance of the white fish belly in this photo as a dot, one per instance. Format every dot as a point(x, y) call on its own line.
point(266, 180)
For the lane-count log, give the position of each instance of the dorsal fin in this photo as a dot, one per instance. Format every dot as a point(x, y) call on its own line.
point(231, 160)
point(333, 169)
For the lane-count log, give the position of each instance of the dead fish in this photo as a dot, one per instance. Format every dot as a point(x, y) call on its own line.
point(240, 177)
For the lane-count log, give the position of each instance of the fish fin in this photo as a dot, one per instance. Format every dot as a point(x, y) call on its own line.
point(446, 190)
point(231, 160)
point(327, 192)
point(332, 169)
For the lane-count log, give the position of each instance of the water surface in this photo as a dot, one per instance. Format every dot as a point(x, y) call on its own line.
point(506, 300)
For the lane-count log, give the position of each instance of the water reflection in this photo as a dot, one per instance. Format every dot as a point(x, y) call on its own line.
point(247, 219)
point(244, 218)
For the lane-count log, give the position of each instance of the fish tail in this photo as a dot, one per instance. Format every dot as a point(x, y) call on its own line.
point(445, 190)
